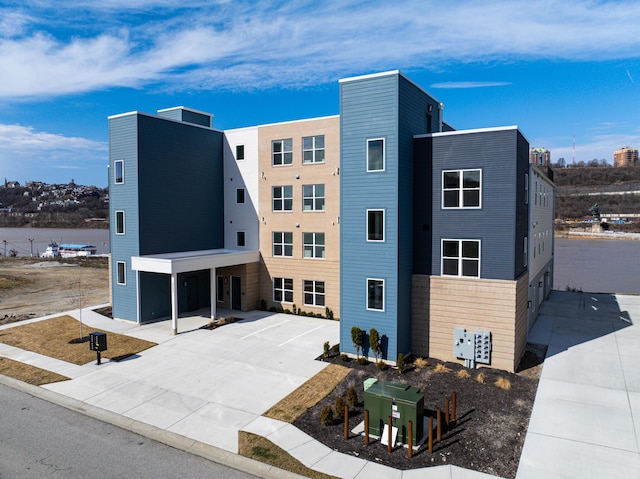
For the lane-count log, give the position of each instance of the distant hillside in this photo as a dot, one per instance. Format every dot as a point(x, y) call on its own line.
point(615, 190)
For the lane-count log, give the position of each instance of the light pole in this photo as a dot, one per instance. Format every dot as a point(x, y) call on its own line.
point(31, 241)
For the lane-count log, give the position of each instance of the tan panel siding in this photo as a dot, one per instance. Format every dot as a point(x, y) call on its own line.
point(493, 305)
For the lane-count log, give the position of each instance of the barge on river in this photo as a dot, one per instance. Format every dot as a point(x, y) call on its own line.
point(68, 250)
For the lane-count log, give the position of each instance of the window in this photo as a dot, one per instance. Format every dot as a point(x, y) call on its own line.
point(220, 289)
point(122, 272)
point(282, 198)
point(239, 152)
point(461, 258)
point(375, 225)
point(375, 154)
point(313, 293)
point(118, 172)
point(526, 188)
point(240, 238)
point(313, 197)
point(313, 245)
point(119, 222)
point(375, 294)
point(461, 188)
point(282, 243)
point(282, 152)
point(240, 196)
point(525, 251)
point(313, 149)
point(283, 289)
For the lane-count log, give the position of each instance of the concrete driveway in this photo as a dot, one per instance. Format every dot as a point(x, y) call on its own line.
point(206, 384)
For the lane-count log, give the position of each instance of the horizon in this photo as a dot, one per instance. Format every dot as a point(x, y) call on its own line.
point(562, 73)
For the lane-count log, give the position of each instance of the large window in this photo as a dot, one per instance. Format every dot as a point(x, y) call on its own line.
point(461, 188)
point(118, 172)
point(375, 154)
point(313, 197)
point(282, 152)
point(313, 245)
point(313, 293)
point(375, 294)
point(240, 239)
point(282, 198)
point(120, 222)
point(375, 225)
point(240, 196)
point(461, 258)
point(121, 272)
point(282, 243)
point(239, 152)
point(283, 290)
point(313, 149)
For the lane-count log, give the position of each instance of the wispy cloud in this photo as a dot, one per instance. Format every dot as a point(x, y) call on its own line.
point(84, 46)
point(586, 149)
point(470, 84)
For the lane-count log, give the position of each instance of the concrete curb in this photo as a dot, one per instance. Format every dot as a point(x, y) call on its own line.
point(176, 441)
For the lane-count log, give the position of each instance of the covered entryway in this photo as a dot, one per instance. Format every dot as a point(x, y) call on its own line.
point(192, 280)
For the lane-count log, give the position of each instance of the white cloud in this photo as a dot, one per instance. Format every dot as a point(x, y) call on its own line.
point(586, 149)
point(25, 139)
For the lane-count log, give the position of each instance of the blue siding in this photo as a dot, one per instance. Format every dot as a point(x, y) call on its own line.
point(123, 145)
point(496, 153)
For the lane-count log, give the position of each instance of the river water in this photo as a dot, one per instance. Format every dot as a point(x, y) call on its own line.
point(596, 266)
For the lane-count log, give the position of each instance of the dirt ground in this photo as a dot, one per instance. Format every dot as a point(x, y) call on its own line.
point(491, 422)
point(32, 287)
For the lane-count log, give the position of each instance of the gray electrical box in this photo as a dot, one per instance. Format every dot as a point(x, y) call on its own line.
point(464, 345)
point(482, 346)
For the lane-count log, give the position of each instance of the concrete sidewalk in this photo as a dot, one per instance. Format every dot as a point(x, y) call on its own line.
point(202, 387)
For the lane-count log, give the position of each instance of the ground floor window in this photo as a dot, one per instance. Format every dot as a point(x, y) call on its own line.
point(375, 294)
point(122, 272)
point(220, 289)
point(461, 258)
point(313, 293)
point(283, 290)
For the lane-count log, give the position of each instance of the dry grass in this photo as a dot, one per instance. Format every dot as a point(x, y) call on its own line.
point(463, 374)
point(441, 368)
point(52, 338)
point(503, 383)
point(27, 373)
point(10, 282)
point(309, 394)
point(421, 363)
point(480, 378)
point(261, 449)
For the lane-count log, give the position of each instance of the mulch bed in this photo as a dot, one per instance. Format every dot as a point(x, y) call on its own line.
point(491, 422)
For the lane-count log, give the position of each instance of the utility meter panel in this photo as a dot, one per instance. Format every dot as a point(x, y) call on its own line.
point(482, 346)
point(464, 344)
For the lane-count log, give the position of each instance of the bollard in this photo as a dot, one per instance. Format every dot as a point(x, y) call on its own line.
point(410, 451)
point(454, 398)
point(430, 435)
point(438, 426)
point(366, 427)
point(346, 421)
point(446, 413)
point(389, 434)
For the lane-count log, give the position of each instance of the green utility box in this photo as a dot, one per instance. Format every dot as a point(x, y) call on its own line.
point(402, 402)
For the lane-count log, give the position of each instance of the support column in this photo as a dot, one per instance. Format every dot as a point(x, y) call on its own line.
point(174, 302)
point(214, 298)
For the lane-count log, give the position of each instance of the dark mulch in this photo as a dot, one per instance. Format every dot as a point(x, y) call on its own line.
point(491, 422)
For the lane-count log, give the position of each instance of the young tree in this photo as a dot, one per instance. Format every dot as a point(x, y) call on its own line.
point(374, 342)
point(357, 338)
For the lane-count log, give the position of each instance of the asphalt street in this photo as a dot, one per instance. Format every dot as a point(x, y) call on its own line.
point(40, 439)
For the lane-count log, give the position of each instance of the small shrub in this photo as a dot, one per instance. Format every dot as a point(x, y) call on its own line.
point(503, 383)
point(335, 348)
point(358, 339)
point(421, 363)
point(273, 309)
point(463, 374)
point(339, 409)
point(326, 349)
point(480, 378)
point(363, 361)
point(441, 368)
point(381, 365)
point(318, 315)
point(280, 310)
point(352, 396)
point(287, 311)
point(328, 313)
point(326, 416)
point(344, 357)
point(400, 363)
point(374, 342)
point(294, 309)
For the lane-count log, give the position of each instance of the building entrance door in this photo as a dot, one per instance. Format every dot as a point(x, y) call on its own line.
point(236, 293)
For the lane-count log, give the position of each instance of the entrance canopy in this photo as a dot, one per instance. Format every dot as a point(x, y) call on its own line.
point(183, 262)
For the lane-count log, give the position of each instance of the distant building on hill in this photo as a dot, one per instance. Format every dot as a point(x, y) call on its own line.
point(540, 157)
point(625, 156)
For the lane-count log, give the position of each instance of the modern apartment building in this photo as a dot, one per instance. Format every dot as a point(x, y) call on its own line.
point(540, 157)
point(383, 216)
point(625, 156)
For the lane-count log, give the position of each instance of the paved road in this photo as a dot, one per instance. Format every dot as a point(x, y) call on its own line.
point(39, 439)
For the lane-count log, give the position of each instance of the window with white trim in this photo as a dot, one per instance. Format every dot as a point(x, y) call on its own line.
point(375, 294)
point(462, 188)
point(461, 258)
point(121, 268)
point(313, 149)
point(239, 152)
point(283, 290)
point(313, 197)
point(240, 196)
point(118, 172)
point(120, 222)
point(282, 152)
point(375, 225)
point(282, 243)
point(313, 293)
point(282, 198)
point(375, 154)
point(313, 245)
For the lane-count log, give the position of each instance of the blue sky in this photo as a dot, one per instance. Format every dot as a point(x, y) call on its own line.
point(554, 68)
